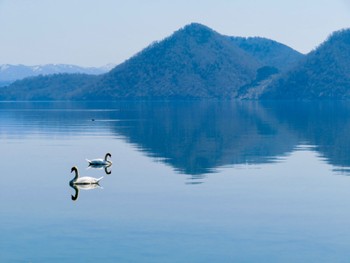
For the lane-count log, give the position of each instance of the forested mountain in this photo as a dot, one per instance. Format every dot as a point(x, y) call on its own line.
point(10, 73)
point(269, 52)
point(194, 62)
point(52, 87)
point(322, 74)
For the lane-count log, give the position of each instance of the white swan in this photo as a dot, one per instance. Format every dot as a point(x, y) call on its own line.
point(82, 180)
point(97, 162)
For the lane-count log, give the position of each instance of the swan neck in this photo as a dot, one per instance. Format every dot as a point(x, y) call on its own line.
point(76, 175)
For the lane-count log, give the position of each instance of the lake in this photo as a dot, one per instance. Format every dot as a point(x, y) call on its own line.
point(191, 181)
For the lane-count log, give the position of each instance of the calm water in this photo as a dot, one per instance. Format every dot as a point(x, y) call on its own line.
point(199, 181)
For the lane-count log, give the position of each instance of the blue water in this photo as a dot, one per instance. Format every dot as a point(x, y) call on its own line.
point(191, 181)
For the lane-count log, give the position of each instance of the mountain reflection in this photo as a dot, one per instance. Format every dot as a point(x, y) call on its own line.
point(196, 137)
point(324, 124)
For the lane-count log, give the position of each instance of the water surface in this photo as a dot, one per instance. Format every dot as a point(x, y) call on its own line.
point(191, 181)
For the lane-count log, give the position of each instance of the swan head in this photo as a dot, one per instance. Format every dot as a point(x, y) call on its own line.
point(74, 168)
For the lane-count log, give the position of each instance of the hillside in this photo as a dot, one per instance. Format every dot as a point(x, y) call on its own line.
point(52, 87)
point(10, 73)
point(322, 74)
point(269, 52)
point(194, 62)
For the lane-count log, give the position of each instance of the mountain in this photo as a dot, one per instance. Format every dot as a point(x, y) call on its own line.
point(51, 87)
point(269, 52)
point(194, 62)
point(11, 73)
point(322, 74)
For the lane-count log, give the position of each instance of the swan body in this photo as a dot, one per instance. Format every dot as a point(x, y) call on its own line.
point(101, 162)
point(86, 180)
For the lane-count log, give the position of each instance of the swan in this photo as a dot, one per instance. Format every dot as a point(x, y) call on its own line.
point(97, 162)
point(82, 180)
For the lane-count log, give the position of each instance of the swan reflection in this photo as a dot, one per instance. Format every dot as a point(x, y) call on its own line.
point(106, 168)
point(77, 188)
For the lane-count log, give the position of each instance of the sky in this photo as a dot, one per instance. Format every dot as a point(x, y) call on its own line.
point(99, 32)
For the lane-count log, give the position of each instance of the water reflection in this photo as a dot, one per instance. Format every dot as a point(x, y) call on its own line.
point(106, 168)
point(195, 137)
point(324, 125)
point(82, 187)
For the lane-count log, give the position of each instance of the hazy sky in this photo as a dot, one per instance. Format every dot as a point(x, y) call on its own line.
point(97, 32)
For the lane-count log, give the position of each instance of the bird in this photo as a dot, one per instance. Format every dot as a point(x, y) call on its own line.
point(100, 162)
point(82, 180)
